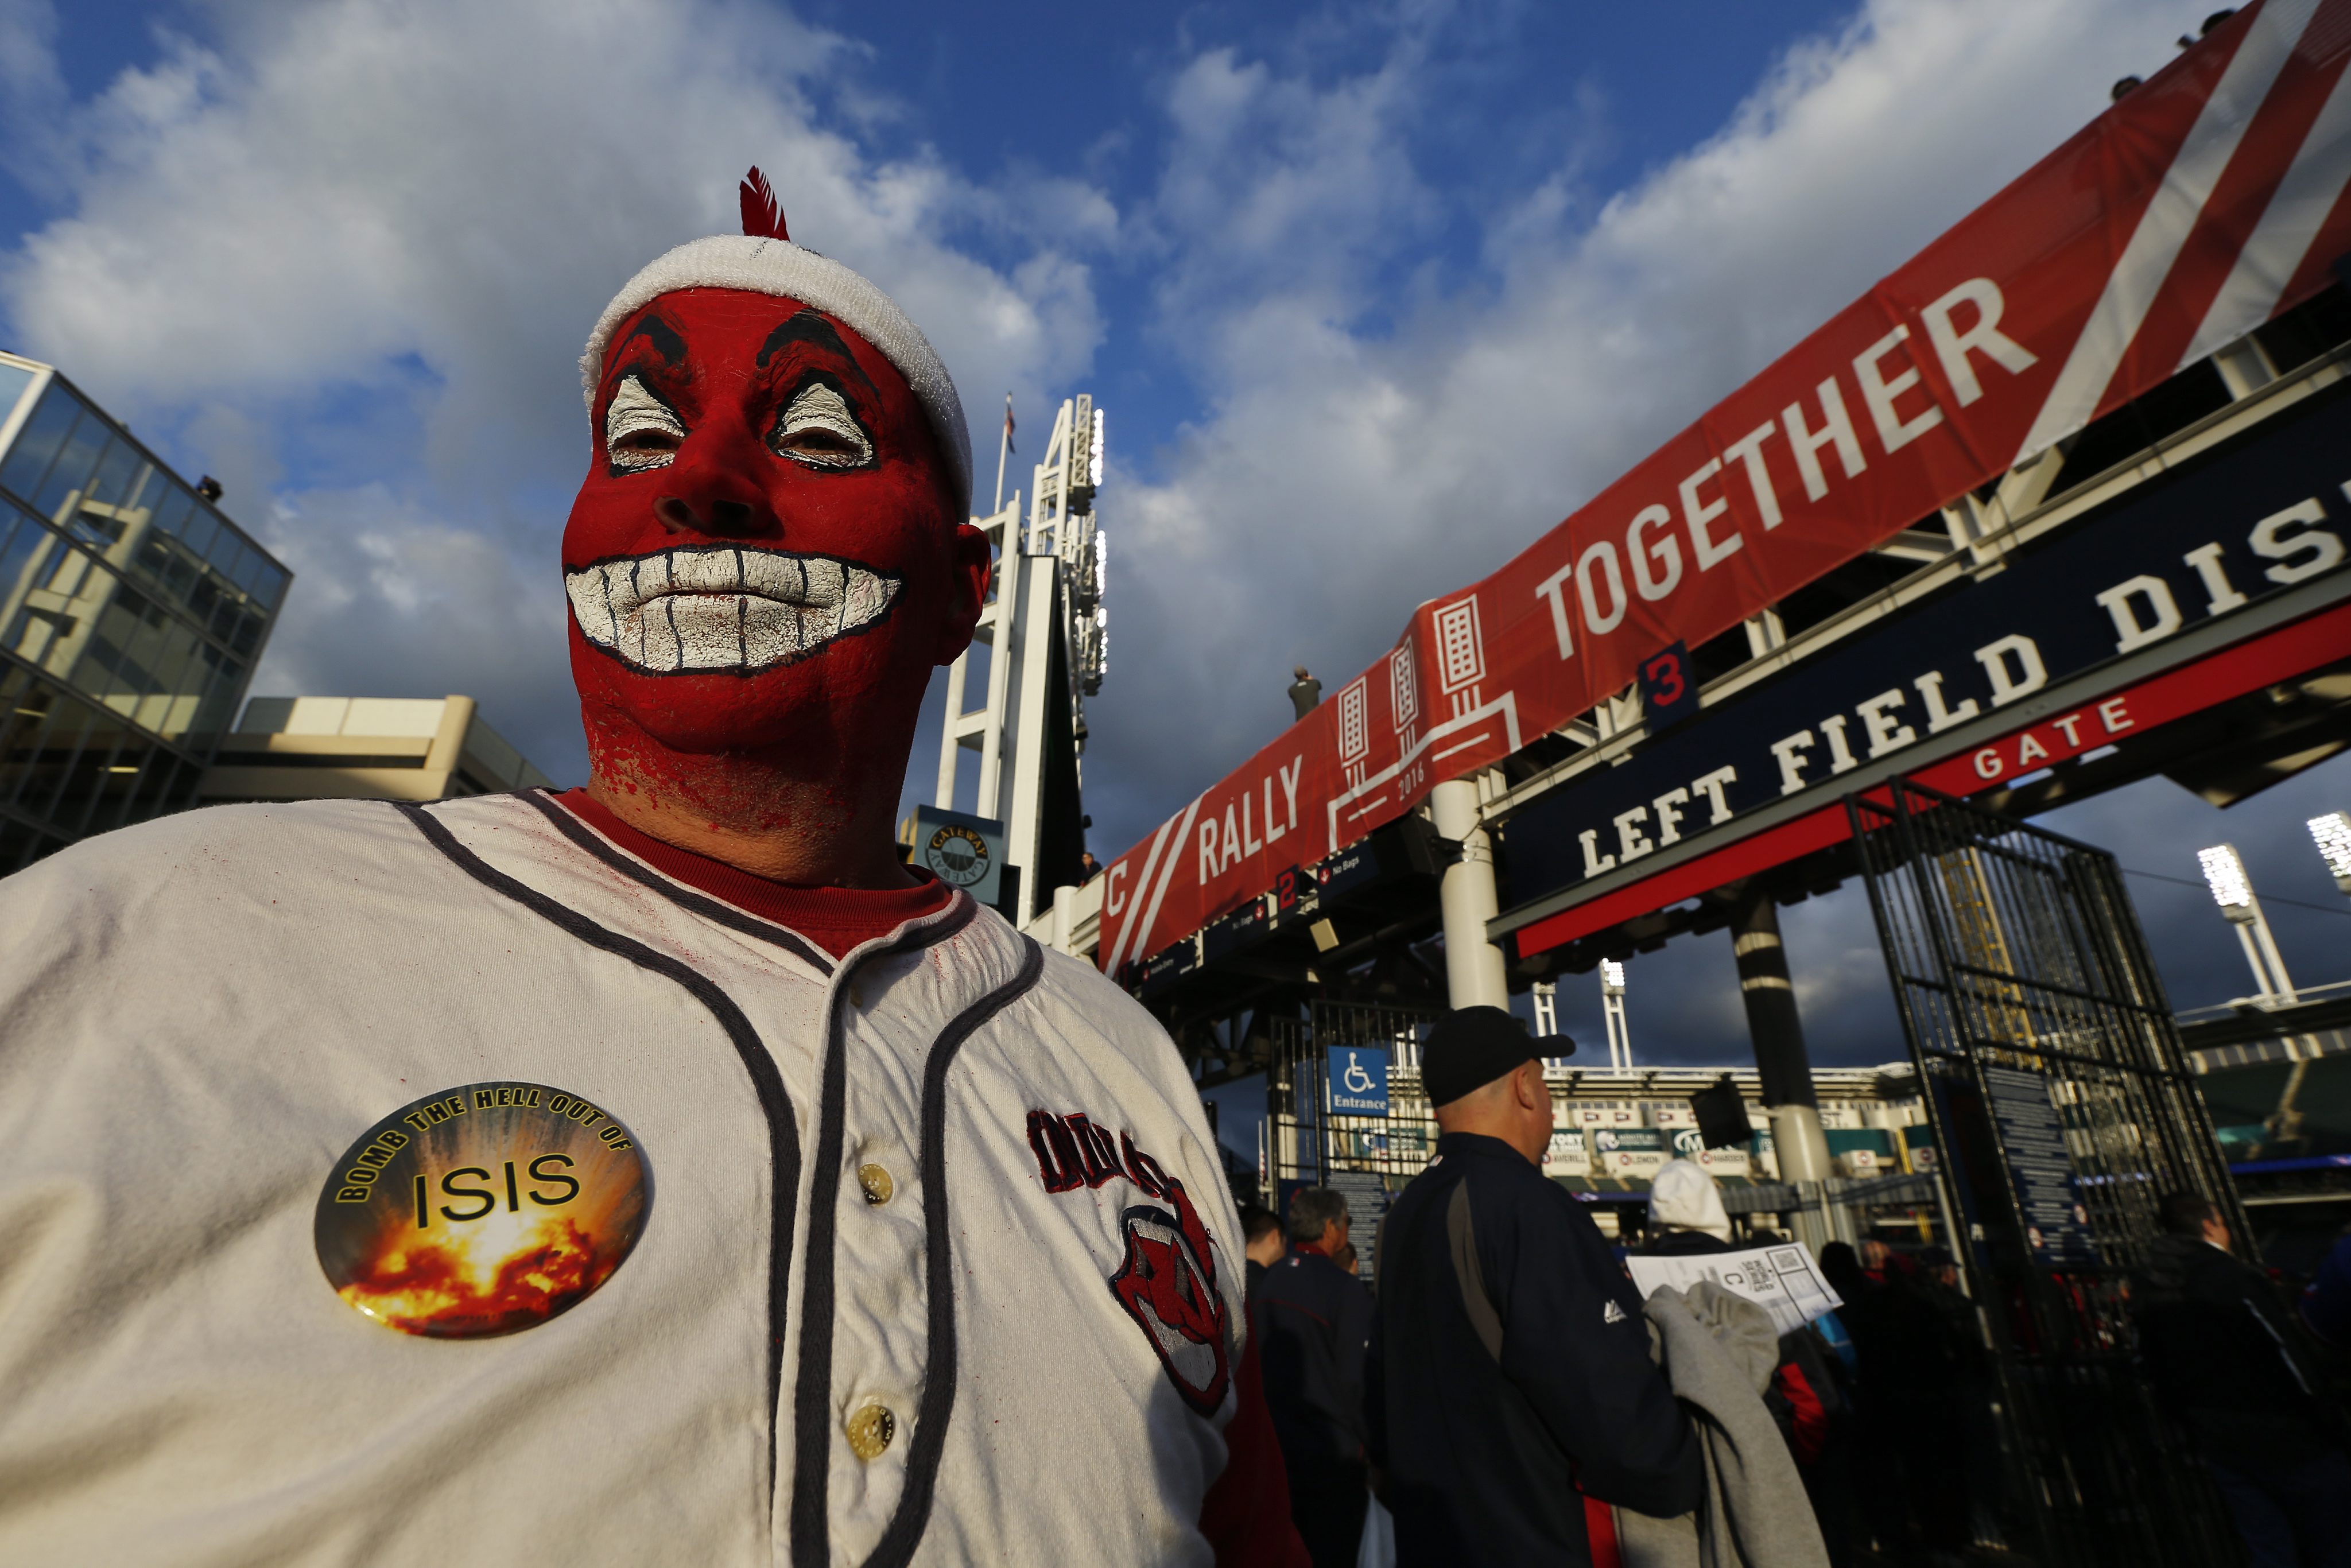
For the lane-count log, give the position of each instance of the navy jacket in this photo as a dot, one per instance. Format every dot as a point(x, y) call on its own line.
point(1511, 1368)
point(2226, 1356)
point(1317, 1320)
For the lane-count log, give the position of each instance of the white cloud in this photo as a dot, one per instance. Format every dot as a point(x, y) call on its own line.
point(32, 94)
point(364, 240)
point(349, 249)
point(394, 600)
point(342, 254)
point(1380, 432)
point(2156, 827)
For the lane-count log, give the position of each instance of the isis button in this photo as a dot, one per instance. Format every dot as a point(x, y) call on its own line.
point(482, 1211)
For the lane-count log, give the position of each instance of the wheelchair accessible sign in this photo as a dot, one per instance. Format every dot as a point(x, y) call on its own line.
point(1359, 1080)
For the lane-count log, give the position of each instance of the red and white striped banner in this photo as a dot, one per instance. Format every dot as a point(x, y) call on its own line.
point(2209, 199)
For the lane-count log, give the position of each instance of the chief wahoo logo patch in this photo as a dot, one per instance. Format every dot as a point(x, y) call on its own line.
point(1166, 1278)
point(482, 1211)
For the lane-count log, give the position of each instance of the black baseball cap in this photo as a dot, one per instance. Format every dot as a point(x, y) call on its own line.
point(1470, 1047)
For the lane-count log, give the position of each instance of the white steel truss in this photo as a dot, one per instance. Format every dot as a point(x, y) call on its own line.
point(1049, 582)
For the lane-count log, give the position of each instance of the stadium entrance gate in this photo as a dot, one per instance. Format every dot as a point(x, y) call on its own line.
point(1326, 1126)
point(2062, 1108)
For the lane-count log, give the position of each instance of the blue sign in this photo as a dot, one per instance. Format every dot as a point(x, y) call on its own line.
point(2032, 1138)
point(1358, 1080)
point(961, 851)
point(1668, 688)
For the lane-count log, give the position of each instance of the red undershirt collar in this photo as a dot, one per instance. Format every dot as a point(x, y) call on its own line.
point(835, 918)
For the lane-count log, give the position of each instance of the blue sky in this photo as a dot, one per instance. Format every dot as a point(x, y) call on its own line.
point(1372, 295)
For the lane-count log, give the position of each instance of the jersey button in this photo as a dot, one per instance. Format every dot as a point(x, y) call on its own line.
point(870, 1431)
point(877, 1184)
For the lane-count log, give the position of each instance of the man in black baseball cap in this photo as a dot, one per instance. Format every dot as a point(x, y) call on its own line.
point(1511, 1396)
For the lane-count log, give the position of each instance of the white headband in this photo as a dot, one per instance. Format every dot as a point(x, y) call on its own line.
point(779, 266)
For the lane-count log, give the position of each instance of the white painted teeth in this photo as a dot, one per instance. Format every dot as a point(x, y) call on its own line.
point(723, 608)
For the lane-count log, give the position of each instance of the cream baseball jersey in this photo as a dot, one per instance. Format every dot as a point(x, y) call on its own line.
point(449, 1184)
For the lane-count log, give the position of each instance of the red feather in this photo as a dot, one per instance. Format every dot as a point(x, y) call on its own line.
point(763, 218)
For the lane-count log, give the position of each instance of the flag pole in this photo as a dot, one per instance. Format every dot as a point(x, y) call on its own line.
point(1003, 445)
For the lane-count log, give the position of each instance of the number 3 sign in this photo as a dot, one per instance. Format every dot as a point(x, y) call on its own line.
point(1668, 687)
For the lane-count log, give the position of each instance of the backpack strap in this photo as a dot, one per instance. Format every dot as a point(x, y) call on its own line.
point(1461, 1242)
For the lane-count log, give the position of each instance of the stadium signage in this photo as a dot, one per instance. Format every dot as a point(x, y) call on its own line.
point(2264, 516)
point(2203, 204)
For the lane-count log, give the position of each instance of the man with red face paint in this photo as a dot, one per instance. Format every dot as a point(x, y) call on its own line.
point(656, 1173)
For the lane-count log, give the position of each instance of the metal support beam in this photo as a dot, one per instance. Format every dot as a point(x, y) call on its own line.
point(1474, 973)
point(1781, 1063)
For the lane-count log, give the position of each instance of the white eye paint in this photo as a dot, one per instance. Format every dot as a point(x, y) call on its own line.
point(636, 412)
point(819, 409)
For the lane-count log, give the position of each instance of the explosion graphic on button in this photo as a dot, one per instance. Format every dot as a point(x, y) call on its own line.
point(482, 1211)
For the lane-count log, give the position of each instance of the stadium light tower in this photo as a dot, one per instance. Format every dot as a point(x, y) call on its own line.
point(1546, 1000)
point(1046, 632)
point(2332, 834)
point(1612, 1007)
point(2232, 890)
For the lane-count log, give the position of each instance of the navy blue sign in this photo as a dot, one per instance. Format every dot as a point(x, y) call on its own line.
point(1167, 966)
point(1668, 688)
point(2032, 1138)
point(1359, 1080)
point(2221, 532)
point(1243, 929)
point(1358, 865)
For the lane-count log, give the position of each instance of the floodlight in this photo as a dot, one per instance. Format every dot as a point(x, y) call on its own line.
point(1095, 468)
point(2332, 834)
point(1612, 977)
point(2224, 873)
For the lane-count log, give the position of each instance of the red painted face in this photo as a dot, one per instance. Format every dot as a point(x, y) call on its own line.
point(765, 557)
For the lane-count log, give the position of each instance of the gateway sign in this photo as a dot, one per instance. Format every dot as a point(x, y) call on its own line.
point(2191, 212)
point(2240, 527)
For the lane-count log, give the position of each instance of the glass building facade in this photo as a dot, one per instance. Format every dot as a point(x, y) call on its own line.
point(132, 613)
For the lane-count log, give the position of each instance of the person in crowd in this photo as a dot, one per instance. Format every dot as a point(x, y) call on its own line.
point(1261, 1249)
point(1346, 1258)
point(1936, 1282)
point(1318, 1325)
point(1513, 1396)
point(1881, 1263)
point(1974, 1386)
point(709, 963)
point(2229, 1359)
point(2327, 1300)
point(1912, 1460)
point(1686, 1217)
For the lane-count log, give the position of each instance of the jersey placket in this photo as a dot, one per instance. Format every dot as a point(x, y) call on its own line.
point(880, 1300)
point(876, 1351)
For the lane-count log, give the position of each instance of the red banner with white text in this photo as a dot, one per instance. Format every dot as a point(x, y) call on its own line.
point(2207, 201)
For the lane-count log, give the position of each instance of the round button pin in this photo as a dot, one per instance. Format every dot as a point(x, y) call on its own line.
point(482, 1211)
point(870, 1431)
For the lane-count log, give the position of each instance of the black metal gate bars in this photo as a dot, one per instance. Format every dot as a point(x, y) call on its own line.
point(1366, 1156)
point(2062, 1109)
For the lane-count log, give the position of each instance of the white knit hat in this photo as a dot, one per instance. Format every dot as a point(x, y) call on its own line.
point(762, 260)
point(1683, 1197)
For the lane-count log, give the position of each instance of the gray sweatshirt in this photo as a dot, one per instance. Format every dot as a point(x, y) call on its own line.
point(1718, 1352)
